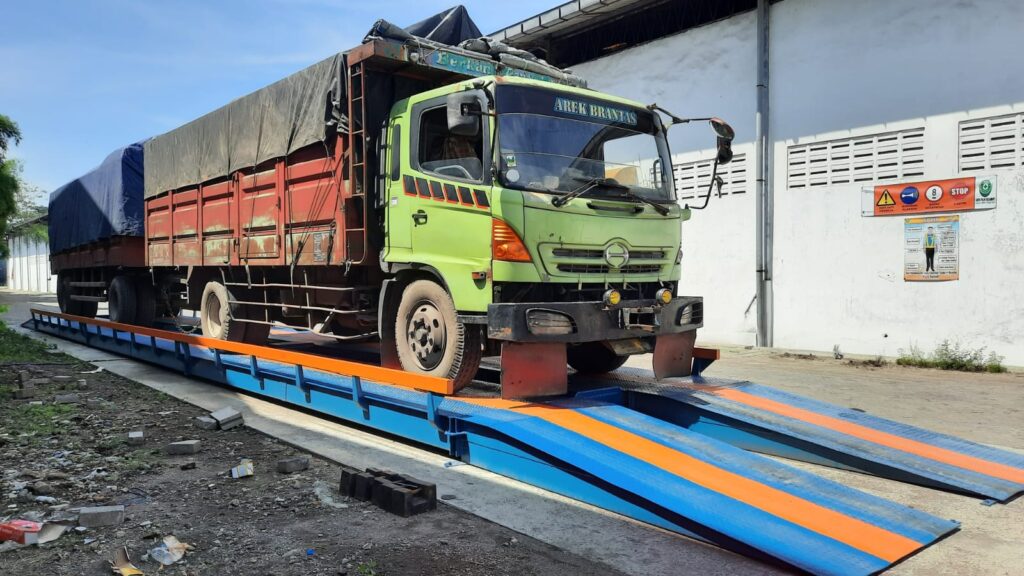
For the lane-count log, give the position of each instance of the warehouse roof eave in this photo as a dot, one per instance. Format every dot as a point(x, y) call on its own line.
point(566, 18)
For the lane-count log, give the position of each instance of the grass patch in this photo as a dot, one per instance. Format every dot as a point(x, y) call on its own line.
point(140, 460)
point(16, 347)
point(876, 362)
point(36, 419)
point(953, 356)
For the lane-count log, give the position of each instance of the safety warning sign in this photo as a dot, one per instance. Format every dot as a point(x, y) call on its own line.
point(951, 195)
point(931, 249)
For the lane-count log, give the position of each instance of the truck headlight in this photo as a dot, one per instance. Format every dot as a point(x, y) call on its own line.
point(686, 315)
point(612, 297)
point(548, 322)
point(663, 296)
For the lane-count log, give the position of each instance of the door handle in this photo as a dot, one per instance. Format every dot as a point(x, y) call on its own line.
point(419, 217)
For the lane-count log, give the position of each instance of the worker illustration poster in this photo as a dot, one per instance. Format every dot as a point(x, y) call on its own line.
point(931, 249)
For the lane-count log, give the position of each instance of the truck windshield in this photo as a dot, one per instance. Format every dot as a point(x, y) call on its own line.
point(558, 142)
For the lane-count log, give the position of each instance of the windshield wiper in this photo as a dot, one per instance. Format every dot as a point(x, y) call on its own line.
point(657, 207)
point(560, 201)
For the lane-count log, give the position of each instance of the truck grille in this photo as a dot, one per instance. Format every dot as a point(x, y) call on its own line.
point(599, 254)
point(605, 269)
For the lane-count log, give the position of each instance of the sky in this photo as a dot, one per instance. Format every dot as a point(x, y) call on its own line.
point(82, 78)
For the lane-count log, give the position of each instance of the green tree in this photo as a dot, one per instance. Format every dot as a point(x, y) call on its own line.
point(16, 196)
point(9, 132)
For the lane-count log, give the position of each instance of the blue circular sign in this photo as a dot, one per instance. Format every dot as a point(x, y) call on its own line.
point(909, 195)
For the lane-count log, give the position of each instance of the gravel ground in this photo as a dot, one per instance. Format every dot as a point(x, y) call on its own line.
point(271, 523)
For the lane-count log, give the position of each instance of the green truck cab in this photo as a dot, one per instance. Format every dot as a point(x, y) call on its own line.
point(541, 214)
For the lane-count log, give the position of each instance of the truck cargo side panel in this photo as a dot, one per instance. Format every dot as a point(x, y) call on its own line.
point(286, 209)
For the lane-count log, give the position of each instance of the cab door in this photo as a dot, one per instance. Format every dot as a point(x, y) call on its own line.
point(443, 198)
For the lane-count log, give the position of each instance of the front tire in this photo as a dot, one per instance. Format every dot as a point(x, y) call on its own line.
point(430, 339)
point(594, 358)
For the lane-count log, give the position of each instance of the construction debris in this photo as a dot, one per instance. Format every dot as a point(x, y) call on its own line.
point(399, 494)
point(136, 438)
point(289, 465)
point(206, 423)
point(101, 516)
point(227, 418)
point(67, 399)
point(26, 532)
point(244, 468)
point(122, 563)
point(169, 551)
point(183, 447)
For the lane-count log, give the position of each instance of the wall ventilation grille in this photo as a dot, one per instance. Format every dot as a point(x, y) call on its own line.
point(992, 143)
point(872, 158)
point(692, 178)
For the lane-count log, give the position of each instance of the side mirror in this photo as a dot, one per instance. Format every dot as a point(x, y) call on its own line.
point(722, 129)
point(725, 136)
point(464, 111)
point(724, 150)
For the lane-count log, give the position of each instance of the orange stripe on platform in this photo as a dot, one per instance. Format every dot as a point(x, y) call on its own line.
point(914, 447)
point(840, 527)
point(377, 374)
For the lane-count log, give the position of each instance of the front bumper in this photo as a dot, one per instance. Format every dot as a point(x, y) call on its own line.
point(593, 321)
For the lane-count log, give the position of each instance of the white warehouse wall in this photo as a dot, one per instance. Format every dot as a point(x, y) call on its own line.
point(28, 267)
point(842, 69)
point(707, 71)
point(839, 70)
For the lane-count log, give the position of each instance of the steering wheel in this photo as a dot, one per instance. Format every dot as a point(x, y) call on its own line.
point(465, 173)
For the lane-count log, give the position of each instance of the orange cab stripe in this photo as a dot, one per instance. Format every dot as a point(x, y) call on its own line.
point(922, 449)
point(850, 531)
point(377, 374)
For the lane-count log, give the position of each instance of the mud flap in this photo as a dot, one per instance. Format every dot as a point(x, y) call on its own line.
point(533, 369)
point(673, 354)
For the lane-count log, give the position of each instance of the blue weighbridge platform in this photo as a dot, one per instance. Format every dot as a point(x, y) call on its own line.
point(677, 455)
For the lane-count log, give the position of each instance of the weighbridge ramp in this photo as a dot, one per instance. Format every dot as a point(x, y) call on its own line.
point(649, 451)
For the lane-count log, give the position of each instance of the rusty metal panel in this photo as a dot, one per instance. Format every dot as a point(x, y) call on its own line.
point(217, 214)
point(187, 253)
point(533, 369)
point(185, 215)
point(159, 253)
point(259, 246)
point(217, 251)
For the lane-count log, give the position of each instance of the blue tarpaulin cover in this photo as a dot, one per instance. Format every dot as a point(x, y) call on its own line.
point(105, 202)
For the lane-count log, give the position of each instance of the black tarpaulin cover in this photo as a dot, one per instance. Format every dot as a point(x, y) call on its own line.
point(449, 27)
point(276, 120)
point(105, 202)
point(269, 123)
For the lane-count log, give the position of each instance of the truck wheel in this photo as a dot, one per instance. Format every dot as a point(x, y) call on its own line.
point(429, 337)
point(122, 300)
point(217, 317)
point(594, 358)
point(145, 302)
point(64, 301)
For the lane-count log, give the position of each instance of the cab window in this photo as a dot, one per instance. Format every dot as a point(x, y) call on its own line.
point(446, 154)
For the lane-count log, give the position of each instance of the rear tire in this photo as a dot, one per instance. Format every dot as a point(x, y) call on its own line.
point(122, 300)
point(594, 358)
point(69, 306)
point(217, 315)
point(430, 339)
point(224, 321)
point(145, 302)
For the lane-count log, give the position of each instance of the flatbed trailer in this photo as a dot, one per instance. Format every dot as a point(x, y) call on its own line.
point(678, 454)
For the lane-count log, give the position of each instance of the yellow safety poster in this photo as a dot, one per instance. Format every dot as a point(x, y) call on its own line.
point(931, 249)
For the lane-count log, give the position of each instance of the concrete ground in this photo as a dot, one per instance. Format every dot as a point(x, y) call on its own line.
point(984, 408)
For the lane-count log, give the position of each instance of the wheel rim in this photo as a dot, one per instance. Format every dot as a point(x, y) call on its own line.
point(427, 335)
point(213, 319)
